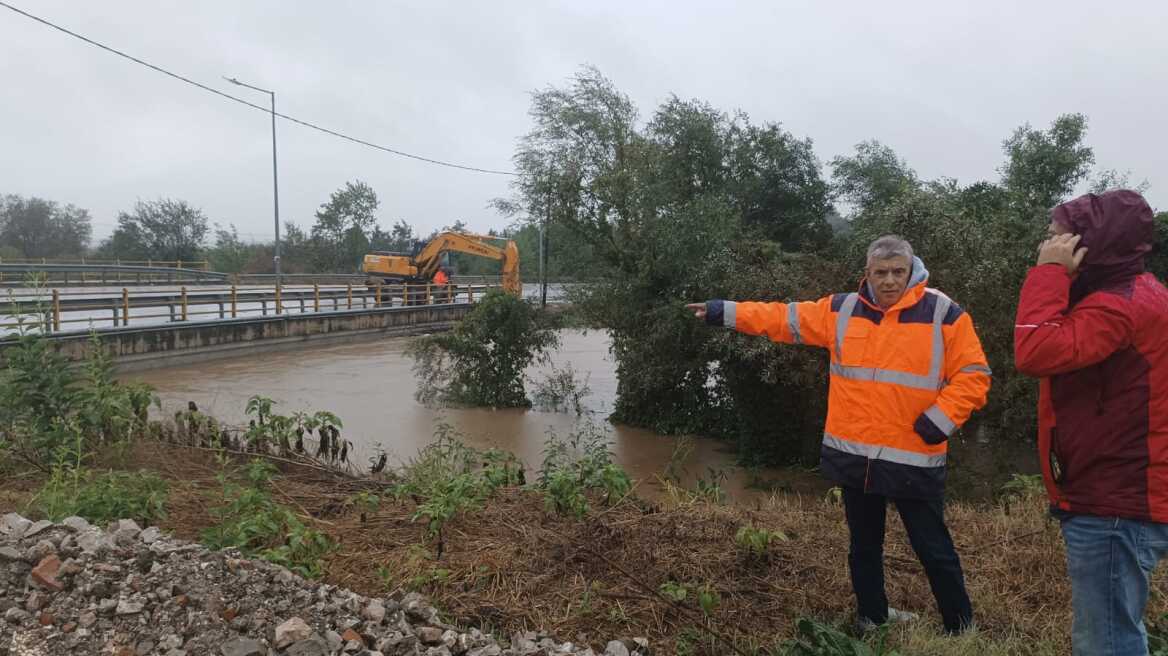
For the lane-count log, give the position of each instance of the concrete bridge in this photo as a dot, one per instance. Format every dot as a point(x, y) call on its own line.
point(136, 348)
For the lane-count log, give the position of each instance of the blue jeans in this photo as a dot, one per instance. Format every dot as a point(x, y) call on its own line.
point(1110, 562)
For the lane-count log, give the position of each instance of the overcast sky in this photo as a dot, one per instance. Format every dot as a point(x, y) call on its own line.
point(941, 82)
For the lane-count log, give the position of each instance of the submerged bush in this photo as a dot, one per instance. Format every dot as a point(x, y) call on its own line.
point(481, 361)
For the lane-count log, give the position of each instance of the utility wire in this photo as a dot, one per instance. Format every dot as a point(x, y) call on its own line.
point(241, 101)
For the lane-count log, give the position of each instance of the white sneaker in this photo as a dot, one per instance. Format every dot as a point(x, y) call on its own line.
point(864, 625)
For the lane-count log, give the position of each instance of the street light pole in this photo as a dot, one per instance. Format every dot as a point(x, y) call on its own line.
point(275, 176)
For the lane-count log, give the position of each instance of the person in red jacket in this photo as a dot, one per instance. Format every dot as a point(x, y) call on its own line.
point(1093, 325)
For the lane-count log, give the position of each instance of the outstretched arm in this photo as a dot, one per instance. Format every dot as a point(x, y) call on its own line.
point(789, 323)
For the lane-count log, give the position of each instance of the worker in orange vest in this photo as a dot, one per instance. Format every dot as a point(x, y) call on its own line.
point(443, 281)
point(907, 370)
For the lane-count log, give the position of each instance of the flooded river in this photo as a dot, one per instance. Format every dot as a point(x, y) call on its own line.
point(370, 386)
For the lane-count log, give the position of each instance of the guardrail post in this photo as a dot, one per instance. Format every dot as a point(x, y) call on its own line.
point(178, 264)
point(233, 301)
point(125, 306)
point(429, 294)
point(114, 308)
point(184, 303)
point(264, 307)
point(349, 295)
point(56, 311)
point(377, 303)
point(279, 307)
point(315, 297)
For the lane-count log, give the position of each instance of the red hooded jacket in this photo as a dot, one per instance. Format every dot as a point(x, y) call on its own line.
point(1099, 342)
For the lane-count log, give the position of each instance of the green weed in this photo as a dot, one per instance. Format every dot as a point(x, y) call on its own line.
point(580, 463)
point(251, 521)
point(757, 541)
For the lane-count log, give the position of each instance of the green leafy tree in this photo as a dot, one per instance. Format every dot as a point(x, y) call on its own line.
point(669, 211)
point(164, 229)
point(1111, 179)
point(229, 254)
point(34, 227)
point(871, 176)
point(343, 227)
point(1043, 167)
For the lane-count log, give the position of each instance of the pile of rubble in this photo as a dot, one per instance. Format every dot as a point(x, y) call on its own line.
point(72, 588)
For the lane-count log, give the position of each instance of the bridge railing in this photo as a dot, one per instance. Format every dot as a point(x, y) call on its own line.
point(55, 310)
point(65, 274)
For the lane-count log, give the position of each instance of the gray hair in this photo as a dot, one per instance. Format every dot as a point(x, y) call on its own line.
point(889, 246)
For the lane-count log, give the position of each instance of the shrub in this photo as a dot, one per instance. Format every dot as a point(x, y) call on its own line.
point(251, 521)
point(581, 462)
point(43, 403)
point(102, 497)
point(448, 477)
point(561, 390)
point(481, 361)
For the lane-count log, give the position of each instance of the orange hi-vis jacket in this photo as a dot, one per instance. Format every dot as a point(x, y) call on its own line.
point(902, 379)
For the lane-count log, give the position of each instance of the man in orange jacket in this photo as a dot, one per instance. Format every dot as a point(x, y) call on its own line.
point(907, 370)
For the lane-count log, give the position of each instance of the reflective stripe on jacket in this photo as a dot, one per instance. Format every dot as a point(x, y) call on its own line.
point(902, 379)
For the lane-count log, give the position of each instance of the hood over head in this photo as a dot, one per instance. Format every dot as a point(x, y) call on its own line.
point(1117, 228)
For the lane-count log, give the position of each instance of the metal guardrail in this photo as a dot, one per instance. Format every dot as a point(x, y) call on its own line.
point(202, 265)
point(50, 311)
point(104, 273)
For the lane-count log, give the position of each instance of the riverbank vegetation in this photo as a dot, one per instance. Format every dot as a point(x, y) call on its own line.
point(690, 574)
point(571, 546)
point(692, 202)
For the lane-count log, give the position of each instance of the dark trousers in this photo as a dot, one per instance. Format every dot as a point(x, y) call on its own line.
point(924, 520)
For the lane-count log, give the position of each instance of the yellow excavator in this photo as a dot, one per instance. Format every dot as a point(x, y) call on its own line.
point(398, 268)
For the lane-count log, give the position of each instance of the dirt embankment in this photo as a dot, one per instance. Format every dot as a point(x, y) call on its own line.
point(513, 566)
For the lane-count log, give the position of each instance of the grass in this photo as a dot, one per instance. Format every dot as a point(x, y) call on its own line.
point(511, 564)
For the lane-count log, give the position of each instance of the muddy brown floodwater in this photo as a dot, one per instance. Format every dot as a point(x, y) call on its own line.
point(370, 386)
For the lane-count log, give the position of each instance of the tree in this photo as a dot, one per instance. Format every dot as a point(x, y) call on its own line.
point(1158, 259)
point(343, 226)
point(671, 212)
point(776, 186)
point(1111, 179)
point(164, 229)
point(229, 254)
point(34, 227)
point(1043, 167)
point(402, 237)
point(579, 163)
point(874, 175)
